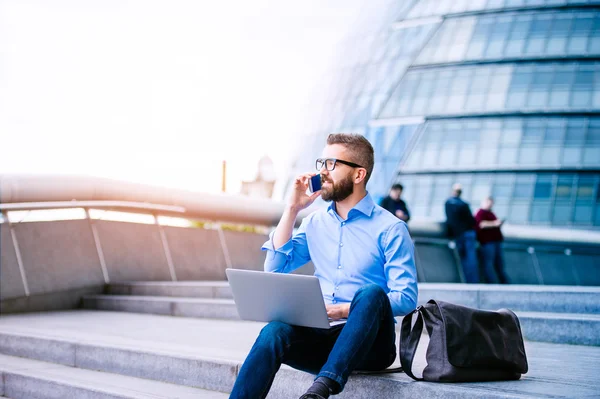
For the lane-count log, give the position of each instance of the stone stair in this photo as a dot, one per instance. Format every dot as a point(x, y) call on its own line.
point(101, 354)
point(557, 314)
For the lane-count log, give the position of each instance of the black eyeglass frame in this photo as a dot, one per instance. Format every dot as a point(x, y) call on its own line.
point(335, 160)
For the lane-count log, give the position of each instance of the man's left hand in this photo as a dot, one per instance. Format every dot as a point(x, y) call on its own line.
point(337, 312)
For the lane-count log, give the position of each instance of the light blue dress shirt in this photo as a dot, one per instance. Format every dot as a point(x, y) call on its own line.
point(371, 247)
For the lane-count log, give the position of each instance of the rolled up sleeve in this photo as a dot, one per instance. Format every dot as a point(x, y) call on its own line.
point(400, 270)
point(290, 256)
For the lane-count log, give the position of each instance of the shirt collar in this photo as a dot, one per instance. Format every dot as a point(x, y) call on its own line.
point(365, 206)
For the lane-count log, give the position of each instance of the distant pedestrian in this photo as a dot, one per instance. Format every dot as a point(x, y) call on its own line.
point(490, 240)
point(461, 227)
point(394, 204)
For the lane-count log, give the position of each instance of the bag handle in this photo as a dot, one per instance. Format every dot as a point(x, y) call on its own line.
point(409, 340)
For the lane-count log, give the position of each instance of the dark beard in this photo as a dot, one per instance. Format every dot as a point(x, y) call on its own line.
point(340, 190)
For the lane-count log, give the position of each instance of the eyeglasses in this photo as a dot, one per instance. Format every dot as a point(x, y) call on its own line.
point(329, 163)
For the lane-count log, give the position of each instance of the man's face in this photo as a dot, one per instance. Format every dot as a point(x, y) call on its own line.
point(395, 194)
point(488, 204)
point(338, 184)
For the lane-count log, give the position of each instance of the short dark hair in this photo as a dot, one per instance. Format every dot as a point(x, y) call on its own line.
point(361, 151)
point(398, 186)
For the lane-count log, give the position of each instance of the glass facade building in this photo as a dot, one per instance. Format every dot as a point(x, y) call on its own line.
point(502, 96)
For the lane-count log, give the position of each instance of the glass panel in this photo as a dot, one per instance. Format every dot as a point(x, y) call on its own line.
point(512, 131)
point(594, 43)
point(529, 154)
point(575, 132)
point(524, 187)
point(499, 84)
point(540, 88)
point(543, 188)
point(538, 32)
point(555, 131)
point(519, 212)
point(561, 85)
point(518, 35)
point(482, 188)
point(430, 156)
point(583, 214)
point(557, 43)
point(533, 131)
point(591, 156)
point(550, 156)
point(459, 87)
point(540, 212)
point(487, 155)
point(498, 36)
point(478, 89)
point(593, 133)
point(561, 214)
point(467, 154)
point(479, 40)
point(519, 87)
point(448, 154)
point(564, 188)
point(581, 96)
point(580, 32)
point(571, 156)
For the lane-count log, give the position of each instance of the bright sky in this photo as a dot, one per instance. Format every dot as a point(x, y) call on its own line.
point(158, 91)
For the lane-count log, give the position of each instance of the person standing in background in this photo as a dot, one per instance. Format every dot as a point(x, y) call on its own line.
point(461, 227)
point(490, 239)
point(394, 204)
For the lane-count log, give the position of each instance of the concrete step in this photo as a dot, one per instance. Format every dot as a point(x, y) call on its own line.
point(189, 289)
point(531, 298)
point(174, 306)
point(566, 328)
point(528, 298)
point(25, 378)
point(208, 353)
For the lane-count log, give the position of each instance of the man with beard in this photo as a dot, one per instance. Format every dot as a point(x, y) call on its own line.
point(364, 260)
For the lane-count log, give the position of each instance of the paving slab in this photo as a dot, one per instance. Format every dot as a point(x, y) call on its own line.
point(555, 370)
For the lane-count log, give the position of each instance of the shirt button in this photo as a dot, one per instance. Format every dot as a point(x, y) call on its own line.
point(334, 301)
point(340, 266)
point(337, 288)
point(341, 244)
point(343, 223)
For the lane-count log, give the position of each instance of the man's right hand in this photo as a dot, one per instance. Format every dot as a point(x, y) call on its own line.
point(299, 200)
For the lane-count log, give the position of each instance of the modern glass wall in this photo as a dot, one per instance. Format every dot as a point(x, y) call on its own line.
point(502, 96)
point(485, 89)
point(510, 143)
point(540, 198)
point(351, 95)
point(428, 8)
point(520, 35)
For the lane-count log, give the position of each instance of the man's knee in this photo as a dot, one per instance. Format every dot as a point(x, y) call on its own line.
point(275, 332)
point(370, 292)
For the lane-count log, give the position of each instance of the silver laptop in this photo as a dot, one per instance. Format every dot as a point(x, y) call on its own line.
point(290, 298)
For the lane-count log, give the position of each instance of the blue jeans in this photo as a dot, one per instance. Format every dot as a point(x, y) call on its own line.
point(466, 244)
point(366, 342)
point(493, 262)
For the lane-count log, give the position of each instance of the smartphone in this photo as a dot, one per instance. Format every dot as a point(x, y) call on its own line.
point(314, 184)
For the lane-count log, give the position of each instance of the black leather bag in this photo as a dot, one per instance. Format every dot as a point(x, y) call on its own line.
point(465, 344)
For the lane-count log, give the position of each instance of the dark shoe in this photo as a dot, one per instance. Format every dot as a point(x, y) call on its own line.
point(311, 396)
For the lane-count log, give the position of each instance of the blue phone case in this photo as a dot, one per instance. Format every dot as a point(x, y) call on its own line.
point(314, 184)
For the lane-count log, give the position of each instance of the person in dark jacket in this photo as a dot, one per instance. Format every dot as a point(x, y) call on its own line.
point(461, 228)
point(394, 204)
point(490, 240)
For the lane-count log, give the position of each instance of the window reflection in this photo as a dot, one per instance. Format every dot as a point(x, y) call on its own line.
point(559, 199)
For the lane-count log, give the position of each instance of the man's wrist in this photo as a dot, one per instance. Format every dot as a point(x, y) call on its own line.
point(293, 210)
